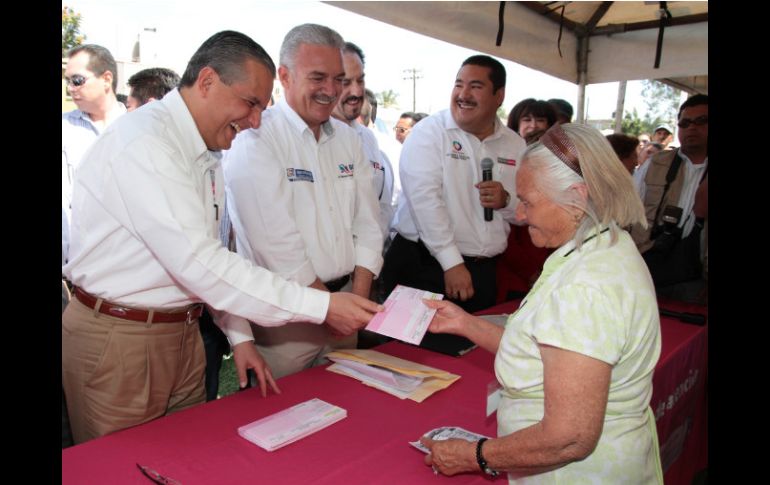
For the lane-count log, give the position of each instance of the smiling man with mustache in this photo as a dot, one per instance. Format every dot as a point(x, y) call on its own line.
point(444, 244)
point(300, 194)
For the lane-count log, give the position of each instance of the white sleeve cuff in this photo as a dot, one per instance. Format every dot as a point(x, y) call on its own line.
point(449, 257)
point(371, 260)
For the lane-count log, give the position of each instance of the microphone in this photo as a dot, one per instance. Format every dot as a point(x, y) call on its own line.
point(486, 175)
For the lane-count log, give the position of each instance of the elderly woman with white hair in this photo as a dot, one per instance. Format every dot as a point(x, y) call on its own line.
point(576, 360)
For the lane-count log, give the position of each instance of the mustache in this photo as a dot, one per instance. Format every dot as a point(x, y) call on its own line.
point(353, 98)
point(466, 101)
point(324, 98)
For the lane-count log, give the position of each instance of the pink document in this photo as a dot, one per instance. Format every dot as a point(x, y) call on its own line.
point(287, 426)
point(405, 317)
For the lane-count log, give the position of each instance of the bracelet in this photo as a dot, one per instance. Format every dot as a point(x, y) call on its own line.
point(481, 461)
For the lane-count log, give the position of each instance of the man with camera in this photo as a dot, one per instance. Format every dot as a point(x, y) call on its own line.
point(674, 190)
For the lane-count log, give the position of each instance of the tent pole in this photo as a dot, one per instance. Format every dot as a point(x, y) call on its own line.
point(619, 106)
point(582, 65)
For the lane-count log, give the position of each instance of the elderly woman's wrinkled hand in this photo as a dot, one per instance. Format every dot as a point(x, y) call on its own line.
point(449, 318)
point(450, 457)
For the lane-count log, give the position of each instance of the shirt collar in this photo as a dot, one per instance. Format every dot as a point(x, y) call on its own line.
point(450, 124)
point(190, 139)
point(687, 160)
point(327, 128)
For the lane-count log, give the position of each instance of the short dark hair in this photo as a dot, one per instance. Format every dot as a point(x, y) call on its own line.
point(351, 47)
point(562, 107)
point(532, 107)
point(623, 145)
point(694, 100)
point(496, 69)
point(154, 82)
point(100, 60)
point(225, 52)
point(415, 117)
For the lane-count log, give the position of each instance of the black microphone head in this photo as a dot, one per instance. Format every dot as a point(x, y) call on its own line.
point(487, 164)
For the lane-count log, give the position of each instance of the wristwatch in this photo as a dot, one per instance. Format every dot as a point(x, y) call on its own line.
point(482, 462)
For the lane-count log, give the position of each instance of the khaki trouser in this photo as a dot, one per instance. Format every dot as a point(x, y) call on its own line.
point(296, 346)
point(119, 373)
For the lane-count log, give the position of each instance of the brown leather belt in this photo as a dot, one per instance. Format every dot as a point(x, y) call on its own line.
point(126, 313)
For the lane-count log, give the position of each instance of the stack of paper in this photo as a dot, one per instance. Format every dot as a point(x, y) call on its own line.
point(287, 426)
point(399, 377)
point(405, 317)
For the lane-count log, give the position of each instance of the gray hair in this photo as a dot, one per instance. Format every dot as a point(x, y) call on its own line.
point(612, 199)
point(313, 34)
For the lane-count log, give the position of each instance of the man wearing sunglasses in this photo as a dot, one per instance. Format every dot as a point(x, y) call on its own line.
point(92, 78)
point(674, 189)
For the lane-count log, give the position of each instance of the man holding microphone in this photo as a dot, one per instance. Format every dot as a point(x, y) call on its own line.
point(444, 243)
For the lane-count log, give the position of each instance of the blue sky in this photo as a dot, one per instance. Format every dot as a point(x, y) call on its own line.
point(180, 26)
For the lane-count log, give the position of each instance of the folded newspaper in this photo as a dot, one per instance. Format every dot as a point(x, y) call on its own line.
point(292, 424)
point(447, 433)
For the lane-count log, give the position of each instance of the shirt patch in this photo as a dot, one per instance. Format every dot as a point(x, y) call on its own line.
point(457, 152)
point(299, 175)
point(346, 170)
point(377, 165)
point(506, 161)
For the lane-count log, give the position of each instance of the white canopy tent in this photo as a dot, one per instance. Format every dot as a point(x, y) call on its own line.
point(579, 42)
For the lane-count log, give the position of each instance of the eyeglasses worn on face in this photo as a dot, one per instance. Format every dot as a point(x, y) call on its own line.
point(76, 80)
point(156, 477)
point(400, 130)
point(699, 121)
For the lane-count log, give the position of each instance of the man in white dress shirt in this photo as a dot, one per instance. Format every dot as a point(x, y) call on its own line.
point(145, 252)
point(351, 101)
point(444, 244)
point(300, 195)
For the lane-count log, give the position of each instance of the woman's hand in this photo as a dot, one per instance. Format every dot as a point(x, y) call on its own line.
point(451, 456)
point(449, 318)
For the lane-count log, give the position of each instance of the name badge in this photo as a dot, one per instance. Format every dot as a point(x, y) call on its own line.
point(299, 175)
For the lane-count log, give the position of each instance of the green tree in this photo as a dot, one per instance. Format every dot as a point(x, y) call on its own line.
point(662, 102)
point(632, 125)
point(387, 99)
point(70, 30)
point(502, 114)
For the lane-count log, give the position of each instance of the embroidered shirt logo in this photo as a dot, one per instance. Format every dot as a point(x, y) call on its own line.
point(507, 161)
point(346, 170)
point(299, 175)
point(457, 152)
point(377, 166)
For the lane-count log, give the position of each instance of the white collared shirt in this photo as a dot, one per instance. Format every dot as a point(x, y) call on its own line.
point(78, 133)
point(302, 207)
point(383, 175)
point(144, 228)
point(440, 164)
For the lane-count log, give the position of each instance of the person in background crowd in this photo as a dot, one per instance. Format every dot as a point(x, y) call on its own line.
point(405, 124)
point(674, 188)
point(150, 84)
point(626, 149)
point(563, 110)
point(530, 118)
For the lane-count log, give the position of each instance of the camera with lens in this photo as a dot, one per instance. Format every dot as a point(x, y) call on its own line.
point(667, 233)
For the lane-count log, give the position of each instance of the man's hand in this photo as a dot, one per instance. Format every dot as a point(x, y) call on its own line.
point(492, 194)
point(348, 312)
point(458, 284)
point(247, 357)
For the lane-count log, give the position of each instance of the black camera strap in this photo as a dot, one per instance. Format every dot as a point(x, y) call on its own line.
point(670, 176)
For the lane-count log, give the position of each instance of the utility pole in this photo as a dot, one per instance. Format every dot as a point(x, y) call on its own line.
point(414, 75)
